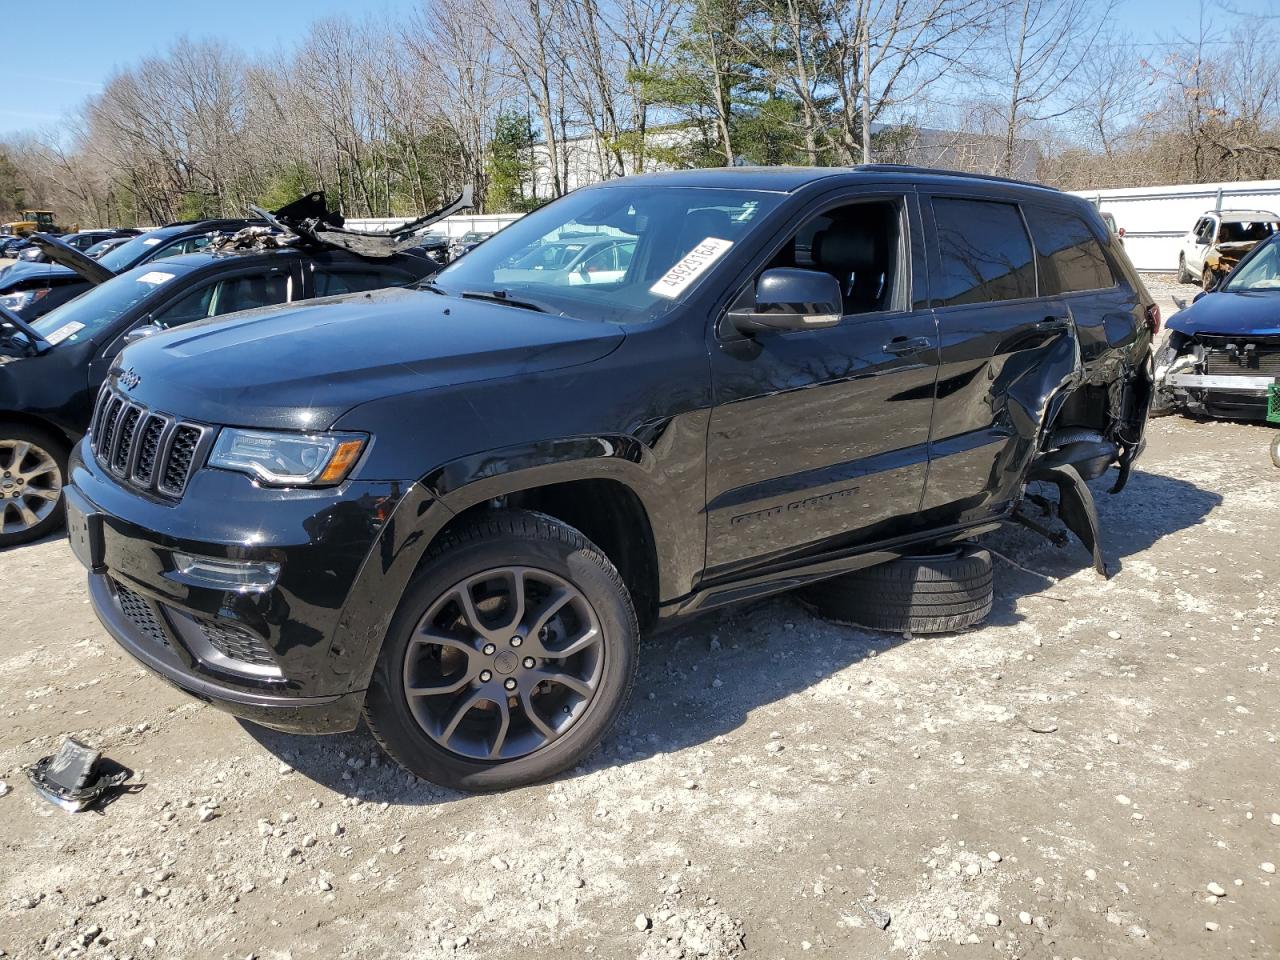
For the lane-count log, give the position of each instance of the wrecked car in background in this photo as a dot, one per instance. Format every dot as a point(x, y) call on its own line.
point(795, 375)
point(31, 290)
point(1223, 351)
point(52, 367)
point(1218, 241)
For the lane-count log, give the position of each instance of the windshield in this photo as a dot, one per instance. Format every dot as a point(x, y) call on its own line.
point(622, 253)
point(100, 307)
point(127, 254)
point(1260, 272)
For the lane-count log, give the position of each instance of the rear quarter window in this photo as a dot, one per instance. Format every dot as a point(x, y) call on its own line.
point(1069, 255)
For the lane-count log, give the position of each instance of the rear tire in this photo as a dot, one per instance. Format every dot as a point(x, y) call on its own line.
point(1275, 450)
point(33, 469)
point(1207, 279)
point(452, 690)
point(940, 592)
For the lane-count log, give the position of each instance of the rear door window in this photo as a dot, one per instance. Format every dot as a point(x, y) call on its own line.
point(226, 296)
point(1070, 256)
point(247, 292)
point(330, 283)
point(984, 251)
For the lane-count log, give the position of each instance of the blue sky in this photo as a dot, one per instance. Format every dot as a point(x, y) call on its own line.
point(72, 48)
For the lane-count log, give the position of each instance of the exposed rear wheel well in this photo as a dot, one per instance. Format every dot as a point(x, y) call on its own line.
point(608, 514)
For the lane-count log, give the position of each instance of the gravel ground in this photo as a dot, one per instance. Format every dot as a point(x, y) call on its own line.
point(1093, 773)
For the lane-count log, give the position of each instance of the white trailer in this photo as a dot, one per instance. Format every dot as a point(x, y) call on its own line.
point(1155, 219)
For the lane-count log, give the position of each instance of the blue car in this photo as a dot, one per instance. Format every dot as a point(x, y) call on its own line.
point(1223, 351)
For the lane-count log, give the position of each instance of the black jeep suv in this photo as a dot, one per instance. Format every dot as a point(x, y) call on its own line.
point(453, 509)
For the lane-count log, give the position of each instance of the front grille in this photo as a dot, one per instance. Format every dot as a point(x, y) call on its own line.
point(141, 612)
point(235, 643)
point(147, 450)
point(181, 453)
point(1242, 356)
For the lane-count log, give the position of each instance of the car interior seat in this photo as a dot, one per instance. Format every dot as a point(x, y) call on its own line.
point(856, 253)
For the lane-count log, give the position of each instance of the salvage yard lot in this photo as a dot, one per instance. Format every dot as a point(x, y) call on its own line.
point(1066, 781)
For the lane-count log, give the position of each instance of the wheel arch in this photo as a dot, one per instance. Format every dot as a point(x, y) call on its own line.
point(39, 423)
point(606, 487)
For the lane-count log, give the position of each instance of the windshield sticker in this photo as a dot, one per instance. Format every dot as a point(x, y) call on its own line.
point(691, 266)
point(64, 331)
point(150, 241)
point(155, 276)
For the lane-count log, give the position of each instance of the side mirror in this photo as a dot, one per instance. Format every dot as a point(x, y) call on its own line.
point(791, 299)
point(141, 333)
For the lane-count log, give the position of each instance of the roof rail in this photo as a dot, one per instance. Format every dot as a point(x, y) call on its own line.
point(942, 172)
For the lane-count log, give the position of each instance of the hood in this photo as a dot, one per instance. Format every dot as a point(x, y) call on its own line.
point(71, 258)
point(302, 367)
point(1230, 312)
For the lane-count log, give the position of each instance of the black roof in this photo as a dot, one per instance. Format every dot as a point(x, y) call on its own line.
point(207, 258)
point(789, 179)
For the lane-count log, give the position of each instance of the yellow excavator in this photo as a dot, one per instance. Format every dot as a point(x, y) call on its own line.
point(30, 222)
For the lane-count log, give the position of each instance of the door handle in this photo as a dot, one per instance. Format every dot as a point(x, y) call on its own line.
point(899, 346)
point(1053, 323)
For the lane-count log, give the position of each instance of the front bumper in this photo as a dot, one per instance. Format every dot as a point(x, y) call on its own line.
point(283, 657)
point(295, 714)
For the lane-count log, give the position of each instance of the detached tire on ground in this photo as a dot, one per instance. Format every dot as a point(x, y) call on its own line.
point(938, 592)
point(511, 655)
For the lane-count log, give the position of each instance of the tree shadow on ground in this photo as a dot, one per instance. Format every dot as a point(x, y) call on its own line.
point(702, 678)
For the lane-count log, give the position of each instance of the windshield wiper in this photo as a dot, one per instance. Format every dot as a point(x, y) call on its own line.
point(38, 344)
point(433, 287)
point(501, 296)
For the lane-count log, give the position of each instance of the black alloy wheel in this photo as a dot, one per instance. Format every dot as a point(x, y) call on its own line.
point(511, 655)
point(503, 663)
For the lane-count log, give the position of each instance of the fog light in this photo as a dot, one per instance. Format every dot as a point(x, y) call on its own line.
point(240, 576)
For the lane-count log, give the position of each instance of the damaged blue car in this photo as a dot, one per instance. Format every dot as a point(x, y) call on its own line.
point(1223, 353)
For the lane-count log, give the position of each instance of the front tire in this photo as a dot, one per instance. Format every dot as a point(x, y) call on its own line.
point(1208, 279)
point(511, 654)
point(1184, 275)
point(1275, 450)
point(33, 468)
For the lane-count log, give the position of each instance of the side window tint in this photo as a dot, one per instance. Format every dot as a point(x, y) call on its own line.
point(194, 306)
point(1070, 256)
point(172, 250)
point(245, 293)
point(986, 255)
point(352, 281)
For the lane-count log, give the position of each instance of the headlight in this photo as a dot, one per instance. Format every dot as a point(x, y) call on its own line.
point(21, 299)
point(30, 253)
point(288, 459)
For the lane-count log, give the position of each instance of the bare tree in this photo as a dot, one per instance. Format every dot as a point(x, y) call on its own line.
point(1040, 44)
